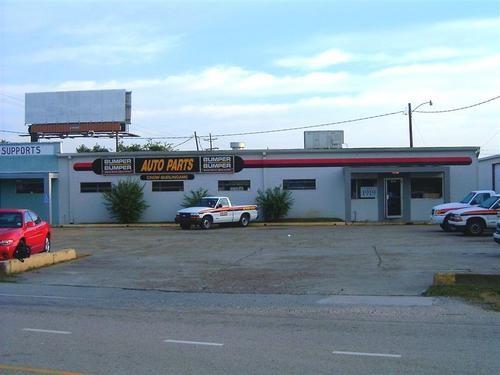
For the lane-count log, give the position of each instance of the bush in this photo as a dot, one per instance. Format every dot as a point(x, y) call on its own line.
point(274, 202)
point(193, 197)
point(125, 201)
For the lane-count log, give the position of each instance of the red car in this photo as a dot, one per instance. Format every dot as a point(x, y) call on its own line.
point(21, 230)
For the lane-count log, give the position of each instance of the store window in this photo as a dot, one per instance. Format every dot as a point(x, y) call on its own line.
point(427, 187)
point(95, 187)
point(234, 185)
point(302, 184)
point(29, 186)
point(168, 186)
point(363, 188)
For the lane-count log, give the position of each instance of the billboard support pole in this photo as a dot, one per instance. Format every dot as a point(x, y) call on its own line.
point(117, 142)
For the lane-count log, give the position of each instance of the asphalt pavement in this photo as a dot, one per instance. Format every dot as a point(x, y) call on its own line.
point(279, 300)
point(116, 331)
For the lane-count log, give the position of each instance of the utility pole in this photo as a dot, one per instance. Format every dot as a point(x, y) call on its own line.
point(196, 140)
point(409, 124)
point(210, 139)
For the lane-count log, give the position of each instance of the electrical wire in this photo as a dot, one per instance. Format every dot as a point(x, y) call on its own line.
point(12, 97)
point(180, 144)
point(11, 131)
point(306, 127)
point(461, 108)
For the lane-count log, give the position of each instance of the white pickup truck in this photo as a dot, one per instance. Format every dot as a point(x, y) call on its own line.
point(441, 214)
point(215, 210)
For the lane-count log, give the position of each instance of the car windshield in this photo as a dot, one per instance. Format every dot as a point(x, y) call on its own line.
point(488, 202)
point(11, 220)
point(208, 202)
point(467, 198)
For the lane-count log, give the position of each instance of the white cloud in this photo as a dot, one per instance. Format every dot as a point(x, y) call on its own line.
point(321, 60)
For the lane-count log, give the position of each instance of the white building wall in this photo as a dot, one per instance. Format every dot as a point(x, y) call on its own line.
point(327, 201)
point(364, 209)
point(486, 166)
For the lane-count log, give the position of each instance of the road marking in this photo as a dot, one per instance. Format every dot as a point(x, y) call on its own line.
point(368, 354)
point(33, 370)
point(193, 342)
point(33, 296)
point(46, 331)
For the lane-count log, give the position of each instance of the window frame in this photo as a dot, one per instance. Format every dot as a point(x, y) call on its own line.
point(156, 186)
point(226, 185)
point(295, 186)
point(415, 178)
point(98, 187)
point(25, 183)
point(357, 187)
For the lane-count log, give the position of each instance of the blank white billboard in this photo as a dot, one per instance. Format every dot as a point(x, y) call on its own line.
point(77, 107)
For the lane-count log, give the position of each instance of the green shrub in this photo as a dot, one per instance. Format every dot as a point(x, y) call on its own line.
point(125, 201)
point(274, 202)
point(193, 197)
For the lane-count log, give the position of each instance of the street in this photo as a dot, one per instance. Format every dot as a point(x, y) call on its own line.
point(115, 331)
point(290, 300)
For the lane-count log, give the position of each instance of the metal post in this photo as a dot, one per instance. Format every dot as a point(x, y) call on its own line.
point(210, 136)
point(117, 142)
point(196, 140)
point(409, 123)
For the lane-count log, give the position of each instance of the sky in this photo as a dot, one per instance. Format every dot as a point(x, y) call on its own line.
point(226, 67)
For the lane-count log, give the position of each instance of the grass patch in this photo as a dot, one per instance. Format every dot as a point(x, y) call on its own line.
point(488, 295)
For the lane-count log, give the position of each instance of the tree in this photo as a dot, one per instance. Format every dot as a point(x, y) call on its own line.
point(274, 202)
point(149, 146)
point(125, 201)
point(97, 148)
point(194, 197)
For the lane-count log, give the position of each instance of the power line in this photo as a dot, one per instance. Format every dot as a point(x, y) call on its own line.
point(461, 108)
point(180, 144)
point(12, 97)
point(11, 131)
point(308, 126)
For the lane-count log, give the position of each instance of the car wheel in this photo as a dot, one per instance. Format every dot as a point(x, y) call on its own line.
point(445, 225)
point(244, 220)
point(474, 227)
point(206, 222)
point(46, 246)
point(185, 226)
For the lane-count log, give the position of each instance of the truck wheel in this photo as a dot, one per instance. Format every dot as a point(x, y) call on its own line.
point(474, 227)
point(244, 220)
point(445, 225)
point(185, 226)
point(206, 222)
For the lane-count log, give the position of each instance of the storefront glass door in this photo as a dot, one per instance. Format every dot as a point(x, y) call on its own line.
point(393, 198)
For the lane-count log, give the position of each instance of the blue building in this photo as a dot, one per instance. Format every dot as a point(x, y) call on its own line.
point(29, 178)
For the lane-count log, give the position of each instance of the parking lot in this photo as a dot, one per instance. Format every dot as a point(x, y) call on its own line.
point(355, 260)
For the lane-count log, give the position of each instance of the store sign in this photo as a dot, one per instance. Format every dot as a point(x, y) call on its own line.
point(114, 166)
point(217, 164)
point(368, 192)
point(167, 177)
point(26, 149)
point(167, 165)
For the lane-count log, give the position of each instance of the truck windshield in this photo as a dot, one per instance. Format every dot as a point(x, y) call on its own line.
point(488, 202)
point(11, 220)
point(208, 202)
point(467, 198)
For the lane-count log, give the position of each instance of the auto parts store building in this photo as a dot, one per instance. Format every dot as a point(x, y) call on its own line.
point(370, 184)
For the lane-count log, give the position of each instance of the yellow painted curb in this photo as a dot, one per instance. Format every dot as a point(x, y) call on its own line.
point(444, 278)
point(13, 266)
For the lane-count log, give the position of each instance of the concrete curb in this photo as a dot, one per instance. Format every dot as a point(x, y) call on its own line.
point(13, 266)
point(450, 278)
point(253, 224)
